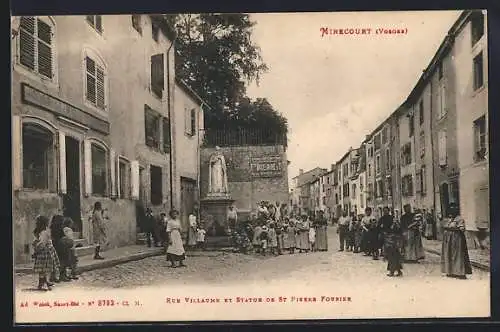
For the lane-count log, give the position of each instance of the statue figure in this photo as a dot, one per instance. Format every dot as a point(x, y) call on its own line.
point(217, 173)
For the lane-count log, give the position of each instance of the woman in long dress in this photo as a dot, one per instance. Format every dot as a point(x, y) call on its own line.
point(192, 230)
point(414, 250)
point(175, 249)
point(321, 233)
point(303, 234)
point(455, 262)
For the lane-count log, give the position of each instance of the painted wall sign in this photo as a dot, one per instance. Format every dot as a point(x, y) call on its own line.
point(266, 167)
point(35, 97)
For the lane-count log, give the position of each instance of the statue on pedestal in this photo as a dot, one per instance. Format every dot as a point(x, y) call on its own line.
point(217, 174)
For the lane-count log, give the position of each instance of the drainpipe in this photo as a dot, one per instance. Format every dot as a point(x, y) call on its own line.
point(169, 110)
point(198, 166)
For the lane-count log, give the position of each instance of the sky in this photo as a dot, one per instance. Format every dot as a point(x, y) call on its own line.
point(336, 89)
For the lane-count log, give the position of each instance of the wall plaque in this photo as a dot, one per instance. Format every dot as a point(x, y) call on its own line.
point(35, 97)
point(266, 167)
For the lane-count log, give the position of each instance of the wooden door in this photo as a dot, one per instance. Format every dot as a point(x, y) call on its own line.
point(188, 191)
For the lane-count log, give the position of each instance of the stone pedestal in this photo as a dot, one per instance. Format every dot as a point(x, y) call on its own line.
point(214, 210)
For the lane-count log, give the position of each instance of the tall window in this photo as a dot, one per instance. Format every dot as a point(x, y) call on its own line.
point(406, 158)
point(166, 135)
point(156, 185)
point(376, 142)
point(95, 83)
point(440, 70)
point(480, 139)
point(411, 124)
point(370, 190)
point(478, 71)
point(152, 129)
point(421, 112)
point(379, 184)
point(95, 21)
point(353, 193)
point(441, 101)
point(155, 32)
point(407, 185)
point(377, 164)
point(388, 161)
point(99, 174)
point(190, 122)
point(388, 187)
point(157, 74)
point(423, 184)
point(136, 23)
point(442, 153)
point(477, 27)
point(36, 46)
point(38, 157)
point(345, 170)
point(384, 135)
point(124, 171)
point(369, 169)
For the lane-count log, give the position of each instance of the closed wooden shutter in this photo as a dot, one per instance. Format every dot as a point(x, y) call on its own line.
point(91, 80)
point(112, 170)
point(27, 42)
point(134, 179)
point(62, 163)
point(17, 139)
point(193, 121)
point(442, 99)
point(482, 208)
point(100, 92)
point(442, 148)
point(87, 157)
point(98, 23)
point(118, 178)
point(166, 135)
point(44, 49)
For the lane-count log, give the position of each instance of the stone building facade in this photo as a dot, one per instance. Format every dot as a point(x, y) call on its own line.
point(75, 93)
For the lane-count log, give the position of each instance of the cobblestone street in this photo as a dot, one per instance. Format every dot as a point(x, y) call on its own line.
point(422, 292)
point(226, 268)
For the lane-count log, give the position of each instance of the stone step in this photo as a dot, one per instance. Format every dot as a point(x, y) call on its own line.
point(84, 251)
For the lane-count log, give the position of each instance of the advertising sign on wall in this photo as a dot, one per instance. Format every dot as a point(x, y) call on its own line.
point(266, 167)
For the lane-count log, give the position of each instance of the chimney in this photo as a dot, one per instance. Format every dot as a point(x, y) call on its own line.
point(301, 171)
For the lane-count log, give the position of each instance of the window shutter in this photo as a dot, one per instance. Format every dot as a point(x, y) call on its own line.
point(193, 121)
point(134, 179)
point(187, 121)
point(112, 169)
point(62, 163)
point(87, 157)
point(482, 207)
point(44, 49)
point(118, 178)
point(17, 141)
point(91, 81)
point(442, 148)
point(100, 90)
point(27, 42)
point(98, 22)
point(443, 99)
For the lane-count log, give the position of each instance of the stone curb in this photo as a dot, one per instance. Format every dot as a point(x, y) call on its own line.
point(475, 264)
point(108, 262)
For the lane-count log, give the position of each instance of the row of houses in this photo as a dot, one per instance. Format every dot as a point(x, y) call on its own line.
point(430, 152)
point(99, 115)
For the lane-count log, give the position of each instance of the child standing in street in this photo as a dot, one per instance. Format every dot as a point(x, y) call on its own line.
point(263, 239)
point(45, 264)
point(312, 238)
point(273, 239)
point(200, 237)
point(68, 242)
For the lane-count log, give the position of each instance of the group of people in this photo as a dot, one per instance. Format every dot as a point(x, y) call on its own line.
point(400, 241)
point(54, 251)
point(273, 231)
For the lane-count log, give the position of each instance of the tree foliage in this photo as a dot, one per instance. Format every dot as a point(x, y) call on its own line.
point(216, 57)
